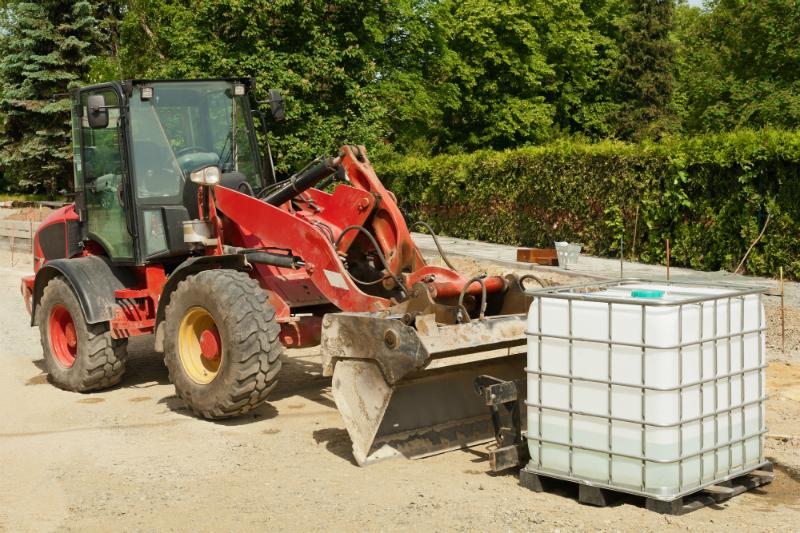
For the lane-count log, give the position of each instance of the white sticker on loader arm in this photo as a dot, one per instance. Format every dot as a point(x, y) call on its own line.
point(336, 280)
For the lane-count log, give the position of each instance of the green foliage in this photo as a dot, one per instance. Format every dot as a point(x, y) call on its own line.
point(105, 65)
point(323, 55)
point(586, 60)
point(739, 65)
point(45, 49)
point(495, 68)
point(644, 80)
point(23, 197)
point(709, 195)
point(489, 75)
point(463, 77)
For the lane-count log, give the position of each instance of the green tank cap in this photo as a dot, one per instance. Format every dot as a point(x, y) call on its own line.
point(647, 294)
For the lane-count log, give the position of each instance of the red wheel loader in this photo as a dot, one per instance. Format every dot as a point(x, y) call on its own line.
point(180, 229)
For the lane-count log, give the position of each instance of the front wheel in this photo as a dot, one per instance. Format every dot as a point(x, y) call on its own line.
point(221, 343)
point(78, 356)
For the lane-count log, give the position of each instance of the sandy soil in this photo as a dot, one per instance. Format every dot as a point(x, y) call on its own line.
point(36, 214)
point(471, 267)
point(791, 351)
point(133, 458)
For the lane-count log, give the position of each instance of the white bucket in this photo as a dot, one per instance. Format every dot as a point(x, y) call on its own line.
point(567, 253)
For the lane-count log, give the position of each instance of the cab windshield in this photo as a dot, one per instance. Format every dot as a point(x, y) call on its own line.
point(186, 126)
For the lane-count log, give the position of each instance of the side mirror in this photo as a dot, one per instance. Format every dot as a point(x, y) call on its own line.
point(98, 112)
point(276, 104)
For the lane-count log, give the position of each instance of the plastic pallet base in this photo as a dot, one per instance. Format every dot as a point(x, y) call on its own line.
point(601, 497)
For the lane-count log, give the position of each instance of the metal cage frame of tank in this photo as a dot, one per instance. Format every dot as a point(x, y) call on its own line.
point(737, 292)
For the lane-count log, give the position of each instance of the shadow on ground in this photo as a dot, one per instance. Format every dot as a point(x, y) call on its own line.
point(263, 412)
point(336, 441)
point(300, 375)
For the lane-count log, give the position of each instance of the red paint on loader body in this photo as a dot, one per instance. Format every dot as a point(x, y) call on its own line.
point(312, 226)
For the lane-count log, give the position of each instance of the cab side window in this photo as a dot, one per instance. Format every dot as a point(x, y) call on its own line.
point(104, 179)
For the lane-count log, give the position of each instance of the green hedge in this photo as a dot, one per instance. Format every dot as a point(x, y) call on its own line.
point(710, 195)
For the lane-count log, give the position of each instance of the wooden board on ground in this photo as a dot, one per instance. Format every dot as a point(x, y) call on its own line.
point(20, 229)
point(539, 256)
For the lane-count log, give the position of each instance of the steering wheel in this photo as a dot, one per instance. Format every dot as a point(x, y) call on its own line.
point(246, 188)
point(153, 183)
point(190, 149)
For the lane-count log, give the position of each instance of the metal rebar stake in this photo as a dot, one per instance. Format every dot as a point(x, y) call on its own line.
point(668, 254)
point(783, 319)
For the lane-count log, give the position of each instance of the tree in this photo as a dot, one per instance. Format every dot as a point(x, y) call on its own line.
point(492, 73)
point(45, 50)
point(644, 79)
point(739, 65)
point(480, 74)
point(323, 55)
point(105, 65)
point(590, 106)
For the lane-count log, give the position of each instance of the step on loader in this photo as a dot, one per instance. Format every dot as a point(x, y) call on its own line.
point(180, 229)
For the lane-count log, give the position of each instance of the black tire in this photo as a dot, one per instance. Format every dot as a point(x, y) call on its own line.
point(248, 332)
point(100, 360)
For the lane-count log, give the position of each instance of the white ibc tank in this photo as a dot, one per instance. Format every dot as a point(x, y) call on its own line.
point(650, 388)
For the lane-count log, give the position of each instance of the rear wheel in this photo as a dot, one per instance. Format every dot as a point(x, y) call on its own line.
point(78, 356)
point(221, 343)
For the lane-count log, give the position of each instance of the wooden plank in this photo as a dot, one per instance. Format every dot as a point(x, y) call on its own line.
point(18, 233)
point(719, 489)
point(15, 224)
point(15, 227)
point(539, 256)
point(20, 229)
point(763, 474)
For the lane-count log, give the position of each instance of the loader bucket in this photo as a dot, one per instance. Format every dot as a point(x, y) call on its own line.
point(406, 387)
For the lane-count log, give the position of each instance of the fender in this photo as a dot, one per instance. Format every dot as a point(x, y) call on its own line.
point(193, 265)
point(93, 279)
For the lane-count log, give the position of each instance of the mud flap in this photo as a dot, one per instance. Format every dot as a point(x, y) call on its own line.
point(394, 408)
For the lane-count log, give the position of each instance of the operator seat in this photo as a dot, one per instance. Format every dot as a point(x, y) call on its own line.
point(156, 172)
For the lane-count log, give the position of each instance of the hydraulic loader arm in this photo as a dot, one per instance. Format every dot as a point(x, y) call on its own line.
point(360, 217)
point(388, 223)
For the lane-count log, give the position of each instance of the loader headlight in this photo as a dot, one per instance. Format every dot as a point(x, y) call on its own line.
point(206, 175)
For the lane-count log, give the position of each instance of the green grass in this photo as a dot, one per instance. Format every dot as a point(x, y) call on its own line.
point(24, 198)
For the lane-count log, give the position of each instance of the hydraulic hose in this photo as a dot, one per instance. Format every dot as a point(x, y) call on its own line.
point(369, 235)
point(278, 260)
point(436, 242)
point(266, 256)
point(537, 279)
point(479, 279)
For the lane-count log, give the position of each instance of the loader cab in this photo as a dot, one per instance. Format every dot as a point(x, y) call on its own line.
point(135, 144)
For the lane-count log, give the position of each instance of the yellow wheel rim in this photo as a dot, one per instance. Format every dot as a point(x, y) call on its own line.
point(199, 346)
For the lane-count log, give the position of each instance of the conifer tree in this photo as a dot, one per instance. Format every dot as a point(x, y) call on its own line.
point(45, 50)
point(644, 80)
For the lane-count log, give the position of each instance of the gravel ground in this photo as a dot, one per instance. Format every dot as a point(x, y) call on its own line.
point(132, 458)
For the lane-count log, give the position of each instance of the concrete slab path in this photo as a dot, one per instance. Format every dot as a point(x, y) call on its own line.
point(600, 266)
